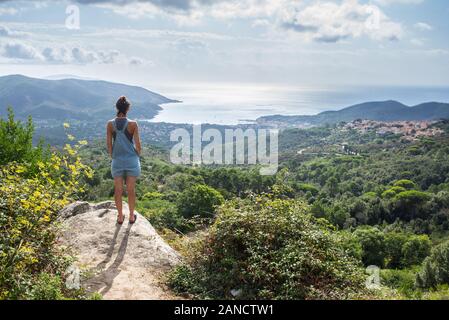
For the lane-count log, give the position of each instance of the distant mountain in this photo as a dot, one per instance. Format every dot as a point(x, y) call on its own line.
point(73, 98)
point(67, 76)
point(379, 111)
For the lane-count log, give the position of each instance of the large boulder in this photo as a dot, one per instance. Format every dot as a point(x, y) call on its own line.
point(119, 261)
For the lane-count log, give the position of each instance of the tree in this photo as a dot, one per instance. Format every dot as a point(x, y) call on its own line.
point(199, 200)
point(16, 142)
point(373, 245)
point(338, 216)
point(416, 249)
point(181, 181)
point(332, 186)
point(394, 242)
point(407, 184)
point(408, 204)
point(435, 268)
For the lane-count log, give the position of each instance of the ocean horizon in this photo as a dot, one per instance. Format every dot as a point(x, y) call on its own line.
point(230, 105)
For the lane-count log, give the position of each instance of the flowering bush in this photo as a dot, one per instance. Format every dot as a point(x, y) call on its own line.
point(31, 195)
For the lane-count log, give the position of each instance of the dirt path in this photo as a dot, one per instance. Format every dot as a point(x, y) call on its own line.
point(124, 262)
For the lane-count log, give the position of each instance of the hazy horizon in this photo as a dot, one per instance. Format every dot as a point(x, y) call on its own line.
point(234, 103)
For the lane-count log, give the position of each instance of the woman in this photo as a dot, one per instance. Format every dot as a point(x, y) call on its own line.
point(124, 147)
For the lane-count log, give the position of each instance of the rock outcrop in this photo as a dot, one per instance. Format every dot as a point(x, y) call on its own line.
point(119, 261)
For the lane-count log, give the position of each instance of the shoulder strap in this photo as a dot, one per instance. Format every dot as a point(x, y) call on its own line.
point(125, 126)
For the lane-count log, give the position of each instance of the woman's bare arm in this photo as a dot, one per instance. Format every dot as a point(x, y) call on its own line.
point(109, 130)
point(136, 138)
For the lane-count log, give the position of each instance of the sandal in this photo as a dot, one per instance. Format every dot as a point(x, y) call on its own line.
point(120, 221)
point(135, 218)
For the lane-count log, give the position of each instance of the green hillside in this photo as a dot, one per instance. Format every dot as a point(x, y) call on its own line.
point(379, 111)
point(73, 98)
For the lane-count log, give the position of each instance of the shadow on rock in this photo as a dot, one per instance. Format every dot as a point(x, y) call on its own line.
point(103, 279)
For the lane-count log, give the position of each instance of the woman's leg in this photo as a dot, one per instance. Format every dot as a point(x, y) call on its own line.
point(118, 191)
point(131, 190)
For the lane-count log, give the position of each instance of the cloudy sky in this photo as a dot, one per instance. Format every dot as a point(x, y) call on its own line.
point(287, 42)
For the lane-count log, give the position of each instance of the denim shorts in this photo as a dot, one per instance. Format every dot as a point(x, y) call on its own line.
point(129, 167)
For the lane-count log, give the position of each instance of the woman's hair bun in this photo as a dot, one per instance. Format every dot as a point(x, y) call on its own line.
point(122, 105)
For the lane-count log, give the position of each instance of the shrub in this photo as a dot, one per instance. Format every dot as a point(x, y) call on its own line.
point(373, 245)
point(305, 187)
point(164, 214)
point(351, 244)
point(183, 280)
point(181, 181)
point(29, 203)
point(394, 242)
point(16, 143)
point(435, 268)
point(416, 249)
point(152, 196)
point(260, 248)
point(199, 200)
point(47, 287)
point(401, 280)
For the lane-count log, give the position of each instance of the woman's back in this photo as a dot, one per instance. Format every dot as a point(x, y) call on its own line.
point(123, 146)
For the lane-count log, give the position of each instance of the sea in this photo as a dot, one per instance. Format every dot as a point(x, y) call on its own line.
point(235, 104)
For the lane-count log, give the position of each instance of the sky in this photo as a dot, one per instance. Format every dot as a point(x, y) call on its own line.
point(297, 43)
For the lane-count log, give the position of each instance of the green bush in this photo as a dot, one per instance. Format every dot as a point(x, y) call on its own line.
point(181, 181)
point(306, 187)
point(351, 245)
point(401, 280)
point(394, 242)
point(373, 245)
point(16, 143)
point(183, 280)
point(164, 214)
point(435, 268)
point(199, 200)
point(416, 249)
point(30, 198)
point(47, 287)
point(152, 196)
point(262, 248)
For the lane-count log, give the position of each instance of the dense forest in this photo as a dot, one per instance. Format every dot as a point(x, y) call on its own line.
point(342, 201)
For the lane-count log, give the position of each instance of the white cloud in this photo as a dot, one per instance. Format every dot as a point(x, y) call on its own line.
point(321, 21)
point(7, 32)
point(7, 11)
point(389, 2)
point(18, 50)
point(65, 55)
point(423, 26)
point(417, 42)
point(332, 22)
